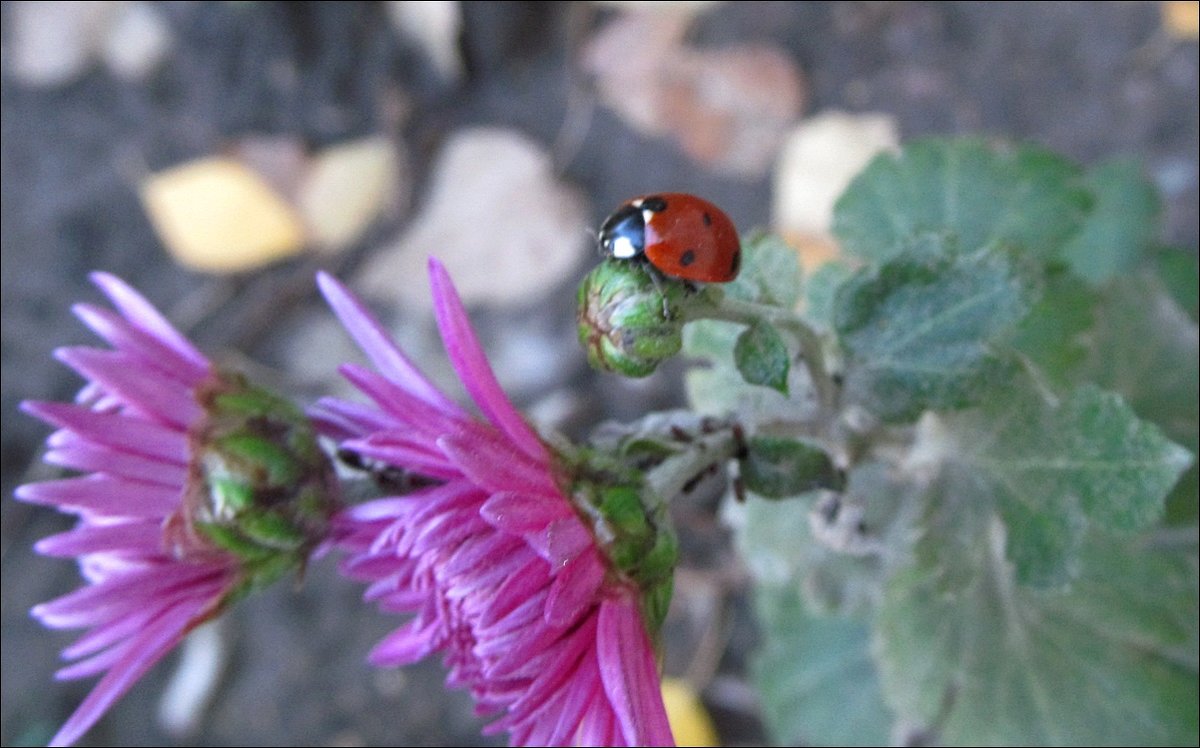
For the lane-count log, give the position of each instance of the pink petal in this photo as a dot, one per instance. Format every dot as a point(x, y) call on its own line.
point(135, 307)
point(408, 644)
point(154, 641)
point(471, 364)
point(574, 590)
point(139, 537)
point(103, 495)
point(377, 344)
point(149, 350)
point(630, 674)
point(151, 394)
point(114, 430)
point(494, 467)
point(80, 454)
point(518, 513)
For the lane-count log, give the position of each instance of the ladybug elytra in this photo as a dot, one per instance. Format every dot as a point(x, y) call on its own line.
point(681, 235)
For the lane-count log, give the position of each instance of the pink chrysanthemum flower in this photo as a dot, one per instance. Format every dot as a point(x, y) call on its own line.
point(171, 528)
point(493, 561)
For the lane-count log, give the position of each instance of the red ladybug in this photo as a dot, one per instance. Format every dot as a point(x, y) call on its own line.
point(681, 235)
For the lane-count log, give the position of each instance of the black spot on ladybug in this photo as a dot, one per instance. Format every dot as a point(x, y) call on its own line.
point(707, 219)
point(736, 263)
point(687, 258)
point(654, 204)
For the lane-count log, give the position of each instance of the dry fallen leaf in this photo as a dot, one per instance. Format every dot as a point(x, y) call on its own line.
point(1181, 18)
point(216, 215)
point(728, 108)
point(690, 722)
point(816, 163)
point(51, 44)
point(346, 188)
point(496, 215)
point(436, 26)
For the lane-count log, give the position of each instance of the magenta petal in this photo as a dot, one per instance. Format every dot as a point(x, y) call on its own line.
point(142, 537)
point(492, 467)
point(114, 430)
point(562, 540)
point(154, 641)
point(151, 352)
point(378, 346)
point(165, 400)
point(408, 644)
point(104, 495)
point(469, 360)
point(135, 307)
point(630, 674)
point(518, 513)
point(78, 454)
point(574, 590)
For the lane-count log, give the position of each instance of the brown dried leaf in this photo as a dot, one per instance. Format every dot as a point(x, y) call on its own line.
point(499, 219)
point(728, 108)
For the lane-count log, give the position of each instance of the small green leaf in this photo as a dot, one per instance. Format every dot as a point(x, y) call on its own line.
point(1121, 227)
point(818, 682)
point(918, 333)
point(1110, 662)
point(716, 388)
point(762, 357)
point(1045, 469)
point(776, 467)
point(968, 189)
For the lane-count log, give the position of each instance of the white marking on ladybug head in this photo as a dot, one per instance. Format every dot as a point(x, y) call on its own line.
point(622, 248)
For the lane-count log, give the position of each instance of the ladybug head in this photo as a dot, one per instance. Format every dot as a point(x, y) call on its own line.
point(623, 234)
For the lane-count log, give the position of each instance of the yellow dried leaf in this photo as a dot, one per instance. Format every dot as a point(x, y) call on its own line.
point(346, 188)
point(216, 215)
point(817, 162)
point(1182, 19)
point(690, 722)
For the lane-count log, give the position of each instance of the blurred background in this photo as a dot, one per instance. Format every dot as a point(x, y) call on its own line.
point(215, 155)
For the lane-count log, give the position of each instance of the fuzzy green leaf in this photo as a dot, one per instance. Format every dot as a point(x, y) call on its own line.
point(1056, 334)
point(818, 683)
point(1121, 227)
point(918, 332)
point(975, 192)
point(770, 272)
point(1178, 270)
point(776, 467)
point(762, 357)
point(1145, 348)
point(1047, 469)
point(1112, 661)
point(820, 292)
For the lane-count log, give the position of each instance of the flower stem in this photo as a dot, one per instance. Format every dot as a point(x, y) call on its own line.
point(676, 475)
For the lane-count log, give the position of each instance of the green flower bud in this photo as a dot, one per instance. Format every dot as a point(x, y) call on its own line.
point(259, 485)
point(626, 322)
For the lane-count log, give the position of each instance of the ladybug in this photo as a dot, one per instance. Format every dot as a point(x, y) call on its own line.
point(681, 235)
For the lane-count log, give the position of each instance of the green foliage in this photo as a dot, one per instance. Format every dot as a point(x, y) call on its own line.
point(979, 194)
point(817, 677)
point(919, 333)
point(1013, 558)
point(776, 467)
point(1112, 661)
point(1051, 470)
point(761, 357)
point(1121, 227)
